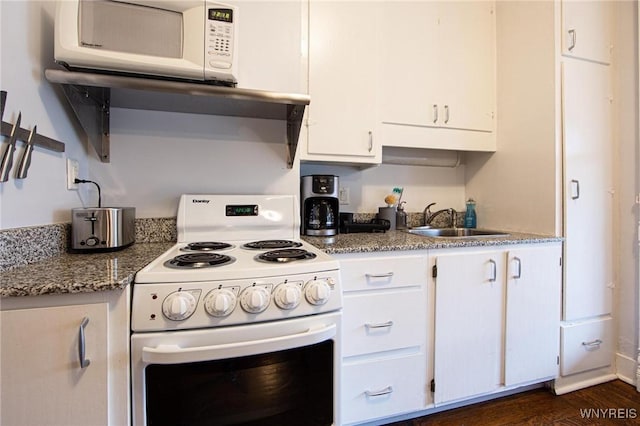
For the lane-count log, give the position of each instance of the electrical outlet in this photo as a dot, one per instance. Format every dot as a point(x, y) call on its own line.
point(343, 195)
point(73, 171)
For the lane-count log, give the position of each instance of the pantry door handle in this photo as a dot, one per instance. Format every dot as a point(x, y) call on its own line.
point(370, 140)
point(381, 392)
point(575, 184)
point(518, 274)
point(572, 34)
point(446, 114)
point(435, 113)
point(84, 362)
point(387, 275)
point(494, 267)
point(379, 325)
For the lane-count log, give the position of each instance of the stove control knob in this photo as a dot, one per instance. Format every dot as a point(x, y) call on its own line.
point(317, 292)
point(220, 302)
point(287, 295)
point(255, 299)
point(179, 305)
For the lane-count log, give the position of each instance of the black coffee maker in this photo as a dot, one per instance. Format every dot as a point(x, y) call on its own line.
point(319, 209)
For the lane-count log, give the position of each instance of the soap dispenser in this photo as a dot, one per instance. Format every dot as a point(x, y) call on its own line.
point(470, 215)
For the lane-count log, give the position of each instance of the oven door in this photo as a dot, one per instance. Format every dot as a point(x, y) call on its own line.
point(284, 372)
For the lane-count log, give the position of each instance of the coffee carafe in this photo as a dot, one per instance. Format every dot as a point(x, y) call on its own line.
point(319, 199)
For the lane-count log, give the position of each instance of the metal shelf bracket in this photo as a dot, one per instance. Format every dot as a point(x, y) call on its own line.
point(91, 96)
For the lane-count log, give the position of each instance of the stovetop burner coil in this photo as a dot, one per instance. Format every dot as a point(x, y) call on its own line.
point(286, 255)
point(199, 260)
point(271, 244)
point(206, 246)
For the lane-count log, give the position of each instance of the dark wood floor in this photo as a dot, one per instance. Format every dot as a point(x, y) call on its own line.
point(542, 407)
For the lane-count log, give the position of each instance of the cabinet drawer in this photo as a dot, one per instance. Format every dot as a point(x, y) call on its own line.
point(586, 346)
point(378, 387)
point(382, 321)
point(373, 273)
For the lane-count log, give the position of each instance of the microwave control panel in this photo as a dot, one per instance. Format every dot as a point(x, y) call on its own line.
point(220, 37)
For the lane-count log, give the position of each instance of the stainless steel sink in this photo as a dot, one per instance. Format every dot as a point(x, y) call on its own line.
point(456, 232)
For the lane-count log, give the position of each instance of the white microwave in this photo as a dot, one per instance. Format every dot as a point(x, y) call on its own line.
point(183, 39)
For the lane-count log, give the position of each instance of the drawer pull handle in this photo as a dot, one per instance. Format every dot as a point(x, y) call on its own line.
point(593, 344)
point(385, 391)
point(379, 325)
point(387, 275)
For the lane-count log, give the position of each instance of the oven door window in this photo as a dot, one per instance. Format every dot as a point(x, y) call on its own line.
point(290, 387)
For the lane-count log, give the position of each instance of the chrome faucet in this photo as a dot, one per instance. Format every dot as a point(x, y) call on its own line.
point(428, 216)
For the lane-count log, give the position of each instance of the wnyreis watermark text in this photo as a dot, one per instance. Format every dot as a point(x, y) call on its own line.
point(609, 413)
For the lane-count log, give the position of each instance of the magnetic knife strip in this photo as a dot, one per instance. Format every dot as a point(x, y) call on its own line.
point(30, 137)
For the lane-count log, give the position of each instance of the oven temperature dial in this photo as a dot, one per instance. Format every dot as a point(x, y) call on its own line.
point(287, 295)
point(220, 302)
point(317, 292)
point(255, 299)
point(179, 305)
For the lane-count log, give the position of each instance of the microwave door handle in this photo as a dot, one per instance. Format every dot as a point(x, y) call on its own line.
point(173, 354)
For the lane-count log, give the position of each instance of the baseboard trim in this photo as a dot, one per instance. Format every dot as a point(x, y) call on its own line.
point(572, 383)
point(626, 369)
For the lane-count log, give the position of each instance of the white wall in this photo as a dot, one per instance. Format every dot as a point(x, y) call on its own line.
point(26, 49)
point(511, 193)
point(155, 156)
point(422, 185)
point(628, 182)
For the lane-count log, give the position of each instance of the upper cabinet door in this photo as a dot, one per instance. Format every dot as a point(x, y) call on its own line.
point(409, 55)
point(342, 80)
point(586, 30)
point(467, 35)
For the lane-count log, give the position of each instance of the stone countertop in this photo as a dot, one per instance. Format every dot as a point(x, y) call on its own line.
point(80, 273)
point(402, 240)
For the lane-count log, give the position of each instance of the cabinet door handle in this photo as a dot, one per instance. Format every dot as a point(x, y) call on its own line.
point(370, 140)
point(518, 274)
point(572, 34)
point(387, 275)
point(592, 344)
point(446, 114)
point(494, 270)
point(379, 325)
point(385, 391)
point(435, 113)
point(84, 362)
point(575, 184)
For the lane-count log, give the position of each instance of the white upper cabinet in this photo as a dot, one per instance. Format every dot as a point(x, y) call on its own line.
point(587, 30)
point(341, 118)
point(437, 62)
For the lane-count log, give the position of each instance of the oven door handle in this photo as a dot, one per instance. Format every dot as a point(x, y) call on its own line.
point(174, 354)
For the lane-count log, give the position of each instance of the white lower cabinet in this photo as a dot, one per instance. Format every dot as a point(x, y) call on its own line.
point(497, 319)
point(478, 321)
point(384, 335)
point(64, 365)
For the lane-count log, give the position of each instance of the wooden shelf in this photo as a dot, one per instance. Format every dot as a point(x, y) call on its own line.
point(91, 96)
